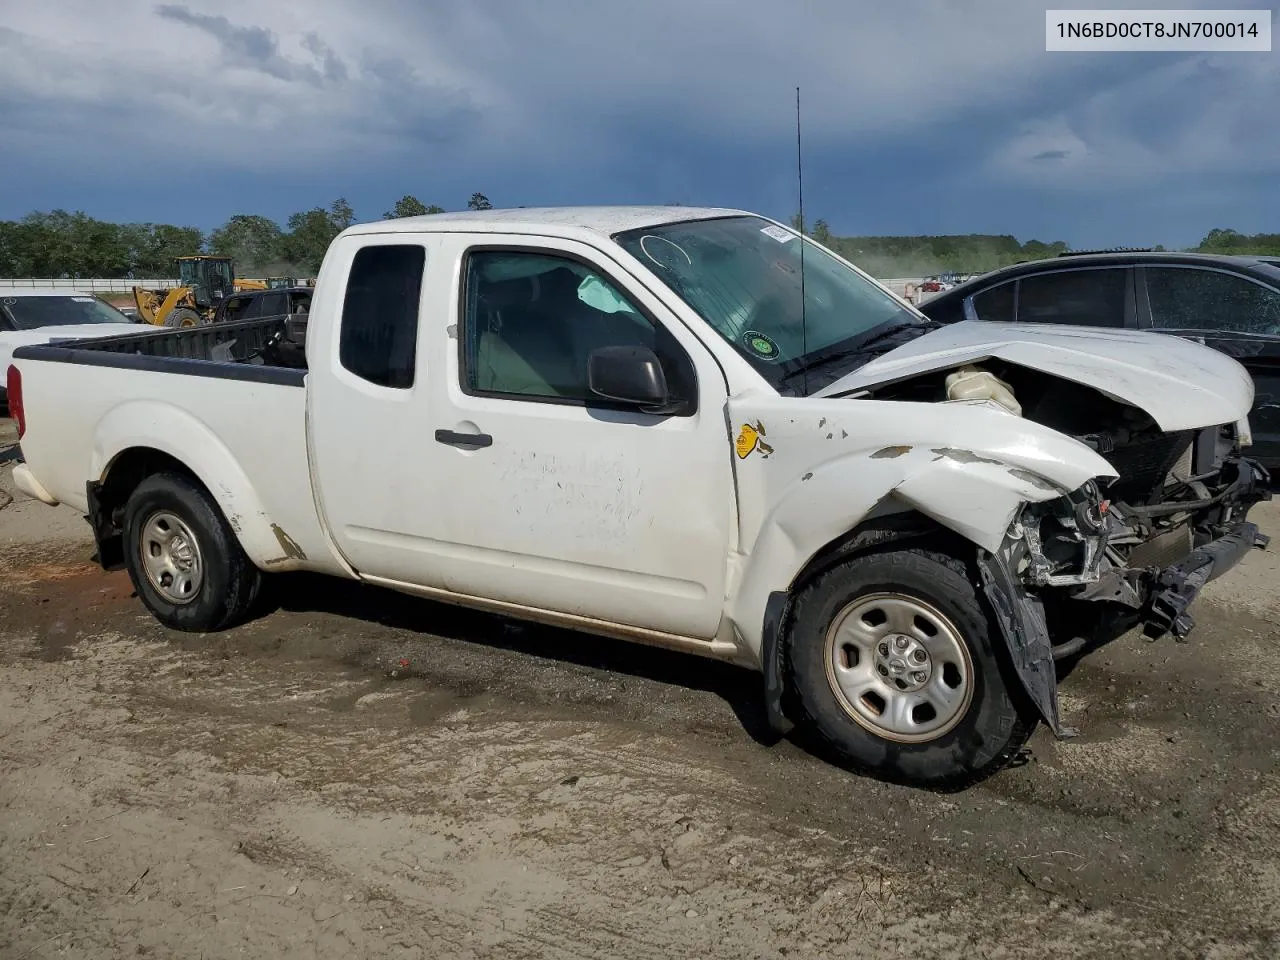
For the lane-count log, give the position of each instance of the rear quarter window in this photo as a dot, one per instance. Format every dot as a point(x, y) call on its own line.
point(950, 310)
point(995, 304)
point(379, 334)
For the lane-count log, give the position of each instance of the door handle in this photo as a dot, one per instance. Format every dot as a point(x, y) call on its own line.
point(469, 441)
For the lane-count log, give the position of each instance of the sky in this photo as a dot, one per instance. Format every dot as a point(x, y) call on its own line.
point(919, 116)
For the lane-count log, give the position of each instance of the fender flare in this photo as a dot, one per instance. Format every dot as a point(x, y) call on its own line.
point(152, 425)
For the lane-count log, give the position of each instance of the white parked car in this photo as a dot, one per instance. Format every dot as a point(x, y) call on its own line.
point(622, 420)
point(47, 315)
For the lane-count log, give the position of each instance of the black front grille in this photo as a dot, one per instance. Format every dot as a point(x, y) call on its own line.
point(1144, 464)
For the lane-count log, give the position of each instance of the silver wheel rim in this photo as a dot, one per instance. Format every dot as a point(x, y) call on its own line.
point(899, 667)
point(171, 557)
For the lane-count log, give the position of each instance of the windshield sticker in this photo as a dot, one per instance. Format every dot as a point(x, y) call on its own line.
point(761, 345)
point(781, 234)
point(749, 440)
point(83, 299)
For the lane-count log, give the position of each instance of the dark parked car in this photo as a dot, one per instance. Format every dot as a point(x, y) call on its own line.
point(255, 304)
point(1229, 303)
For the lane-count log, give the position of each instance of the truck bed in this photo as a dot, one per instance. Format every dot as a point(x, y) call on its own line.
point(240, 350)
point(205, 397)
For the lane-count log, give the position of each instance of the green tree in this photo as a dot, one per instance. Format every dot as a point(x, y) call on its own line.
point(56, 243)
point(250, 240)
point(797, 222)
point(341, 214)
point(479, 201)
point(1234, 242)
point(311, 232)
point(410, 206)
point(821, 232)
point(153, 247)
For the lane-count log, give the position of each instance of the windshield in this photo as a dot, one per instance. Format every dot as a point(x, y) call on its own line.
point(29, 313)
point(742, 275)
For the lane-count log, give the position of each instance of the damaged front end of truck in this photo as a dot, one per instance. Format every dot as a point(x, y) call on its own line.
point(1098, 563)
point(1130, 549)
point(1100, 479)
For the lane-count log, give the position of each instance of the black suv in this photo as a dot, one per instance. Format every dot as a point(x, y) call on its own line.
point(278, 302)
point(1229, 303)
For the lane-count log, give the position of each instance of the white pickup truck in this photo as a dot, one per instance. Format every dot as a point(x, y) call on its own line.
point(632, 421)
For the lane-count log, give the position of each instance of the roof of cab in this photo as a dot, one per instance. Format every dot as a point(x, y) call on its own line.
point(605, 221)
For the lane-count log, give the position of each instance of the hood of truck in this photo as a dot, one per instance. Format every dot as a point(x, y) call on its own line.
point(1180, 384)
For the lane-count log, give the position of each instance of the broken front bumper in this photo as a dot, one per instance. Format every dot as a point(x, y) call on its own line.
point(1177, 586)
point(1160, 596)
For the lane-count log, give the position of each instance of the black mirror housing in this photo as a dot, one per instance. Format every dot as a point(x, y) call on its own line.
point(628, 374)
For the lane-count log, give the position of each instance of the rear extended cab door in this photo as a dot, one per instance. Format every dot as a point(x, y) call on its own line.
point(492, 486)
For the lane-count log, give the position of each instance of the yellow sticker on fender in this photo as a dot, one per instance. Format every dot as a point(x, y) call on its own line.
point(751, 439)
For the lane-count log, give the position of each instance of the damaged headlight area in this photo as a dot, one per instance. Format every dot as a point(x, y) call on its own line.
point(1139, 562)
point(1063, 542)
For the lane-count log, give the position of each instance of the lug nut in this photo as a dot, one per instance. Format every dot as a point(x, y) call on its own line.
point(901, 643)
point(919, 676)
point(919, 656)
point(884, 649)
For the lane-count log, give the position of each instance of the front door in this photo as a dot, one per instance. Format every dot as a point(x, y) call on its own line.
point(546, 495)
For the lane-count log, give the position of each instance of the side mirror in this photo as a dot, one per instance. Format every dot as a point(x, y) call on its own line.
point(629, 374)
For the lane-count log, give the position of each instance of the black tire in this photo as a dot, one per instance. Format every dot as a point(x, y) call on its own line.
point(986, 734)
point(228, 583)
point(184, 317)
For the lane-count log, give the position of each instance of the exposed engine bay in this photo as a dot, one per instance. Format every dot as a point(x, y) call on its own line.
point(1136, 550)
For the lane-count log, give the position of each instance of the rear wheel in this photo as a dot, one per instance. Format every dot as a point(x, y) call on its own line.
point(897, 666)
point(183, 559)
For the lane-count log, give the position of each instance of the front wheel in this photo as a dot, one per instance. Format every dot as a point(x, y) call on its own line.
point(183, 317)
point(897, 666)
point(183, 558)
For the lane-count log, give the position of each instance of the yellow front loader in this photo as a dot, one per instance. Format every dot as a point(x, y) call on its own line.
point(203, 282)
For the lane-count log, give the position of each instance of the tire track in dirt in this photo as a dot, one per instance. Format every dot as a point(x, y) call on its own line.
point(237, 768)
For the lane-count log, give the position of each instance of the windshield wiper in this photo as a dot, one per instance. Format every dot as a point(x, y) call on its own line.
point(852, 348)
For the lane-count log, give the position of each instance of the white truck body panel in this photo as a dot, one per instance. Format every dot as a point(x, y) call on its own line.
point(258, 476)
point(10, 340)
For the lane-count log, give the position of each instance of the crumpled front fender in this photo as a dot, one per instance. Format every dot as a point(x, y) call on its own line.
point(809, 471)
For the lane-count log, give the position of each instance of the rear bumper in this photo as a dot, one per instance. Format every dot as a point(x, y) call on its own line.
point(28, 484)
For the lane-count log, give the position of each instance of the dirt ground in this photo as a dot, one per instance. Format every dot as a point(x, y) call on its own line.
point(359, 774)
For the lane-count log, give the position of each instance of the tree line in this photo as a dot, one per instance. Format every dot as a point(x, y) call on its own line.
point(58, 243)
